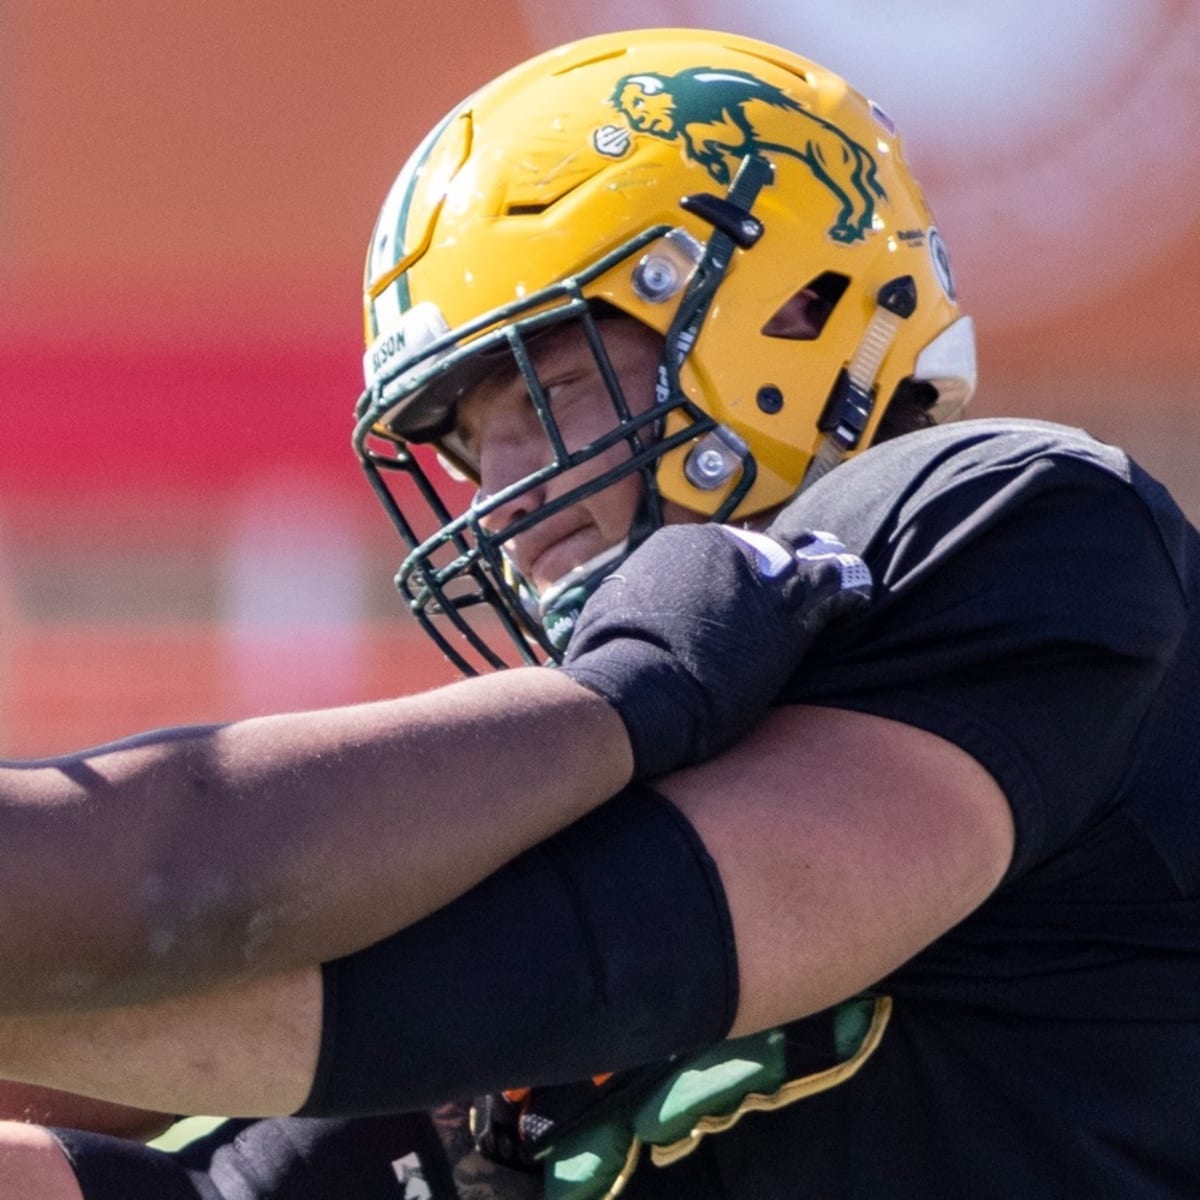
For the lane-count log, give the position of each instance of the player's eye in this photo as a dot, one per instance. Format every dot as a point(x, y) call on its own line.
point(466, 447)
point(564, 397)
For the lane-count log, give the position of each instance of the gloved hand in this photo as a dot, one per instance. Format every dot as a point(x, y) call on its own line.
point(696, 632)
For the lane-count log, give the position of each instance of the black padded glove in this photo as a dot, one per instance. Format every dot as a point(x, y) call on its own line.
point(277, 1158)
point(694, 635)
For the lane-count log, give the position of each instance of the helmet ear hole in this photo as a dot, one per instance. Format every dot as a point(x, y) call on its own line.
point(802, 317)
point(910, 409)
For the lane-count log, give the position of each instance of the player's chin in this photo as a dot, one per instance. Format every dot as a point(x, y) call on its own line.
point(562, 556)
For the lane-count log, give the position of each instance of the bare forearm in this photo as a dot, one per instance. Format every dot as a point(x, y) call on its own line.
point(248, 1049)
point(37, 1105)
point(513, 980)
point(181, 860)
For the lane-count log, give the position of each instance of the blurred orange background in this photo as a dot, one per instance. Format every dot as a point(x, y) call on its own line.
point(186, 194)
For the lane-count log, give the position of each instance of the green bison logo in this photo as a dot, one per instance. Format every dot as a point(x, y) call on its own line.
point(706, 109)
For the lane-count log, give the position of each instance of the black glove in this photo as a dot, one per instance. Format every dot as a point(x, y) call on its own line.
point(277, 1158)
point(696, 632)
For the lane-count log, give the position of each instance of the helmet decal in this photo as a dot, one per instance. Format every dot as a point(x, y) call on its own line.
point(707, 110)
point(941, 264)
point(613, 141)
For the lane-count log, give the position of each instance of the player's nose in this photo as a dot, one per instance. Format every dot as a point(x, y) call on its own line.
point(512, 485)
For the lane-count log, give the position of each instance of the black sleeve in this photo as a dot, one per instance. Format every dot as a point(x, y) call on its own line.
point(605, 947)
point(1028, 603)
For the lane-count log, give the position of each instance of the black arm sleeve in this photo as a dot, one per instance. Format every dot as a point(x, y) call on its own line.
point(605, 947)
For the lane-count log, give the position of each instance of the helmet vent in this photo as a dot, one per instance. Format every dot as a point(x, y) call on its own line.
point(803, 315)
point(534, 208)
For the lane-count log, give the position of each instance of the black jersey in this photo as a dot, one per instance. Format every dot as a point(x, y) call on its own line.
point(1036, 605)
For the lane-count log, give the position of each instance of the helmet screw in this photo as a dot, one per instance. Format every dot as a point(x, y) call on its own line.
point(770, 398)
point(655, 279)
point(714, 458)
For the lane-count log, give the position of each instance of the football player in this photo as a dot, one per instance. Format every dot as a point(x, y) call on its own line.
point(634, 312)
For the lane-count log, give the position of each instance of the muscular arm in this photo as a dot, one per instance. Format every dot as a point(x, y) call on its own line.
point(187, 858)
point(31, 1104)
point(844, 842)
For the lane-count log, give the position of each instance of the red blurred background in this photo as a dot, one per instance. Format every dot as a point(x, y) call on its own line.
point(187, 192)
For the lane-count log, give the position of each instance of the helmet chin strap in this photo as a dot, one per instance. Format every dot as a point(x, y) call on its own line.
point(557, 609)
point(853, 397)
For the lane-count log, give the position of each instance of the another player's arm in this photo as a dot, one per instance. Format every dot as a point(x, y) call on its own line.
point(184, 858)
point(843, 842)
point(31, 1104)
point(32, 1163)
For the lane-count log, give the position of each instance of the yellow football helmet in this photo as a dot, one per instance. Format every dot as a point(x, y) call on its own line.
point(743, 202)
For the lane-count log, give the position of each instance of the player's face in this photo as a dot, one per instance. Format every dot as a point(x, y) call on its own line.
point(498, 429)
